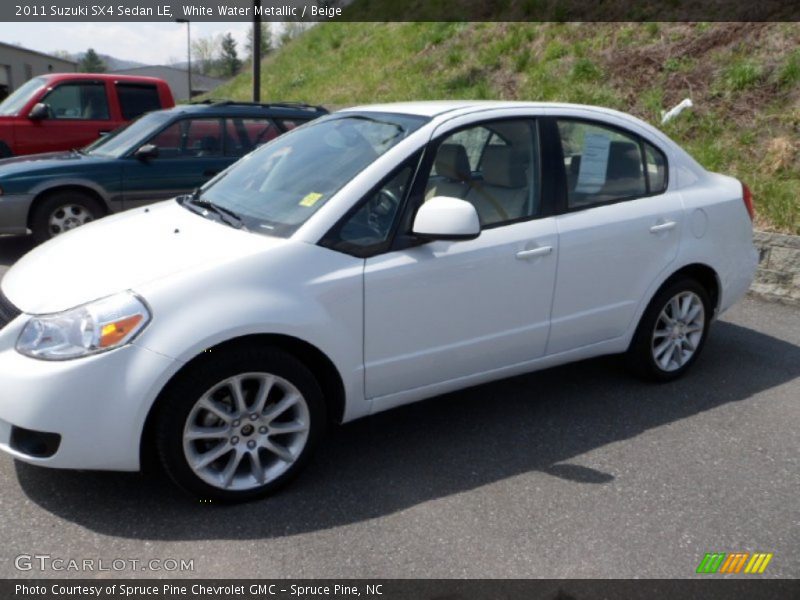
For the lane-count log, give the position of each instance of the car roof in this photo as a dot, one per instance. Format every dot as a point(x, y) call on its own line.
point(436, 108)
point(278, 109)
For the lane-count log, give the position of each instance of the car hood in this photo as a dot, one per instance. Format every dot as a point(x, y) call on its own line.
point(122, 252)
point(48, 161)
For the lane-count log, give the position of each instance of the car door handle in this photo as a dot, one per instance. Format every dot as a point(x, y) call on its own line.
point(663, 227)
point(210, 172)
point(534, 252)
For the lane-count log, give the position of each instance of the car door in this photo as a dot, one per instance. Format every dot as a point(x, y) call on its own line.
point(78, 113)
point(619, 230)
point(190, 152)
point(445, 310)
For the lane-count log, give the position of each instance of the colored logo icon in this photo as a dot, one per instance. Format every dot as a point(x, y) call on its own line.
point(734, 562)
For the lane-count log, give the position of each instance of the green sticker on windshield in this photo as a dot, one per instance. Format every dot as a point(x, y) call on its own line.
point(310, 199)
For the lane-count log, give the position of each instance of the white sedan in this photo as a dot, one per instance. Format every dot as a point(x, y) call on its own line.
point(375, 257)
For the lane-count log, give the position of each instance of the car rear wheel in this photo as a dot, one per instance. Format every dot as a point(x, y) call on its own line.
point(63, 211)
point(240, 424)
point(672, 331)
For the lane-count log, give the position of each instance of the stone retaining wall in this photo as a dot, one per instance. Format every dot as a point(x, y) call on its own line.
point(778, 275)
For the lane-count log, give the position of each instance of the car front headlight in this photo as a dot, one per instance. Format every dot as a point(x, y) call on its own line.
point(88, 329)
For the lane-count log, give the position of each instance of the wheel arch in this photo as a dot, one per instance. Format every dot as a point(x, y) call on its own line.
point(703, 274)
point(89, 190)
point(321, 365)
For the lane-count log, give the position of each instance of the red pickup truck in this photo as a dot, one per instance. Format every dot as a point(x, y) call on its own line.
point(61, 111)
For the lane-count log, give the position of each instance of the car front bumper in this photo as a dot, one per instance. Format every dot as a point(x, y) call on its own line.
point(96, 405)
point(14, 212)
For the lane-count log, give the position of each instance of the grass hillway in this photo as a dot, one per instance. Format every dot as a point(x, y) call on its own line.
point(744, 79)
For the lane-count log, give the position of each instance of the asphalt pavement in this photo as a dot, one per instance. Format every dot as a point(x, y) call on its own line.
point(578, 471)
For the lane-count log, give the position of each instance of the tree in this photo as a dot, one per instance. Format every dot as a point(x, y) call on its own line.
point(203, 50)
point(229, 58)
point(91, 63)
point(266, 40)
point(62, 54)
point(291, 30)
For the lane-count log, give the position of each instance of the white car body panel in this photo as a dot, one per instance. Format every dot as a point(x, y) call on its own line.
point(421, 306)
point(398, 327)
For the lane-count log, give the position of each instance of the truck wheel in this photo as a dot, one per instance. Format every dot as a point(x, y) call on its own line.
point(63, 211)
point(5, 151)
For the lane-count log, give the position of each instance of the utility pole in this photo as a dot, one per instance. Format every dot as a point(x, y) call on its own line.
point(188, 53)
point(256, 51)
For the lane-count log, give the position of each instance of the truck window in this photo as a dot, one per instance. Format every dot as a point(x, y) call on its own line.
point(78, 100)
point(136, 99)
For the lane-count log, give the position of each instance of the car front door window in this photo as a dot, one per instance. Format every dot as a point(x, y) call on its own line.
point(494, 167)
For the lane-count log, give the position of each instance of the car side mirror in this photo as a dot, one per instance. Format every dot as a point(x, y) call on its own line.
point(146, 152)
point(444, 218)
point(39, 111)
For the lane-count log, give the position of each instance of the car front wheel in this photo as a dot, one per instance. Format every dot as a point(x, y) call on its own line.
point(241, 425)
point(672, 331)
point(63, 211)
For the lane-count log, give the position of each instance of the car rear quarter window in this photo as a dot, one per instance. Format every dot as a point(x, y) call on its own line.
point(603, 164)
point(656, 168)
point(245, 135)
point(136, 99)
point(289, 124)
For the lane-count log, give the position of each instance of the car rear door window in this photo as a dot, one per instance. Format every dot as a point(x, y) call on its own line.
point(137, 99)
point(78, 100)
point(603, 164)
point(244, 135)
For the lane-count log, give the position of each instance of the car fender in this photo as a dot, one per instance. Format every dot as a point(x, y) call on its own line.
point(246, 298)
point(74, 182)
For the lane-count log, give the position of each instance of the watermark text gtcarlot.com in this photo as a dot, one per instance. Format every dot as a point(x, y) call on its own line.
point(47, 562)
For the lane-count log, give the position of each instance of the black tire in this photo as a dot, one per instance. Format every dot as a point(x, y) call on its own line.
point(56, 201)
point(641, 353)
point(177, 407)
point(5, 151)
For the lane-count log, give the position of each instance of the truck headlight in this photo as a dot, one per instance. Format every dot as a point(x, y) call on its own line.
point(87, 329)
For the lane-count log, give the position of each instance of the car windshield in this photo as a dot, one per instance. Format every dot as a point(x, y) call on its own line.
point(275, 189)
point(126, 139)
point(17, 100)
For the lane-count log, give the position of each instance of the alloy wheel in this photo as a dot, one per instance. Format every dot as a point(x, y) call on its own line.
point(246, 431)
point(678, 331)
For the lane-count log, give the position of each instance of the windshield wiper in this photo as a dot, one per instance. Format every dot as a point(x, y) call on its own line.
point(227, 215)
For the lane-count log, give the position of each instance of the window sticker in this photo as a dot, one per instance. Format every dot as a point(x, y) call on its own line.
point(310, 199)
point(594, 163)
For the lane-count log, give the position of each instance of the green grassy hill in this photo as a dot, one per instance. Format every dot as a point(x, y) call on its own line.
point(744, 79)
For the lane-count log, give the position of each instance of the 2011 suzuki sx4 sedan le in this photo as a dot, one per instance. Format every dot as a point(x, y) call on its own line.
point(374, 257)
